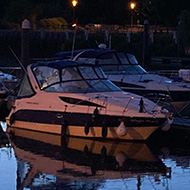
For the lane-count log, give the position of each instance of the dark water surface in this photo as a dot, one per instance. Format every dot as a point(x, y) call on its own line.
point(35, 161)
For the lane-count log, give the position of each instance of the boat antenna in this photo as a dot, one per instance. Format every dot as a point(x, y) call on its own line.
point(22, 66)
point(96, 43)
point(74, 39)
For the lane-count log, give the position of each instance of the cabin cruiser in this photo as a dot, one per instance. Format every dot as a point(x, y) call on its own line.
point(124, 70)
point(76, 99)
point(49, 159)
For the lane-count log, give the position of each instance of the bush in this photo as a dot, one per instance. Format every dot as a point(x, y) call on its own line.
point(56, 24)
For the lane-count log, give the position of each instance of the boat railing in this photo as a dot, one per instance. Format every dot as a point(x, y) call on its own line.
point(171, 74)
point(142, 76)
point(47, 59)
point(141, 105)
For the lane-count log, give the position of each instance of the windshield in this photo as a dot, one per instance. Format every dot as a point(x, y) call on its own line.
point(80, 79)
point(132, 59)
point(123, 69)
point(117, 63)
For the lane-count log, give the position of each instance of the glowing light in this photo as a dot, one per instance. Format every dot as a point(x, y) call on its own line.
point(74, 24)
point(74, 3)
point(132, 5)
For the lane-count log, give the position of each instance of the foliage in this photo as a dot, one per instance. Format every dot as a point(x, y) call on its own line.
point(53, 23)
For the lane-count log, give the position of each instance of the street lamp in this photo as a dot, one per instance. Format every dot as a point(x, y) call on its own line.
point(132, 6)
point(74, 3)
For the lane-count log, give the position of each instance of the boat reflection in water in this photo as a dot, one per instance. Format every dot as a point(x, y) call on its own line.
point(47, 160)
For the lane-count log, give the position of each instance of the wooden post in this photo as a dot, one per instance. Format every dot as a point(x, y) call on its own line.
point(128, 37)
point(146, 56)
point(25, 42)
point(86, 35)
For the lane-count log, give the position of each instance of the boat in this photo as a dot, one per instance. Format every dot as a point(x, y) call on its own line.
point(5, 80)
point(76, 99)
point(8, 90)
point(124, 70)
point(46, 160)
point(9, 78)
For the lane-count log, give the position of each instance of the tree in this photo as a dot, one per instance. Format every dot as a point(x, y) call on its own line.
point(53, 23)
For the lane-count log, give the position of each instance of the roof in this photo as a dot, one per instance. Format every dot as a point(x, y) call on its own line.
point(86, 53)
point(59, 64)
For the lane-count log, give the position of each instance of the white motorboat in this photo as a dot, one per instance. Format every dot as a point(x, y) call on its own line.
point(76, 99)
point(124, 70)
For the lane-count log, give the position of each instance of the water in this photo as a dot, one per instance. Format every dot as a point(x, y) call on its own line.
point(35, 161)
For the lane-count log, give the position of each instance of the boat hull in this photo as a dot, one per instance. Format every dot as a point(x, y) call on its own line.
point(85, 125)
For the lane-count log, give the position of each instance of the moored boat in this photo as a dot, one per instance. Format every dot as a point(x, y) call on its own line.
point(76, 99)
point(124, 70)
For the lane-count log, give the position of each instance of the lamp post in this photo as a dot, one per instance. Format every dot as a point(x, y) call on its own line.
point(74, 3)
point(132, 6)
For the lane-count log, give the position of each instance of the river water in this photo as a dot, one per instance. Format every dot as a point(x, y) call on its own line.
point(35, 161)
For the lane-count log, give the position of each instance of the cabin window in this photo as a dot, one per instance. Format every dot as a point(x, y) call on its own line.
point(100, 72)
point(70, 74)
point(109, 68)
point(132, 59)
point(25, 88)
point(110, 60)
point(131, 69)
point(88, 72)
point(46, 76)
point(123, 58)
point(87, 60)
point(101, 86)
point(69, 87)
